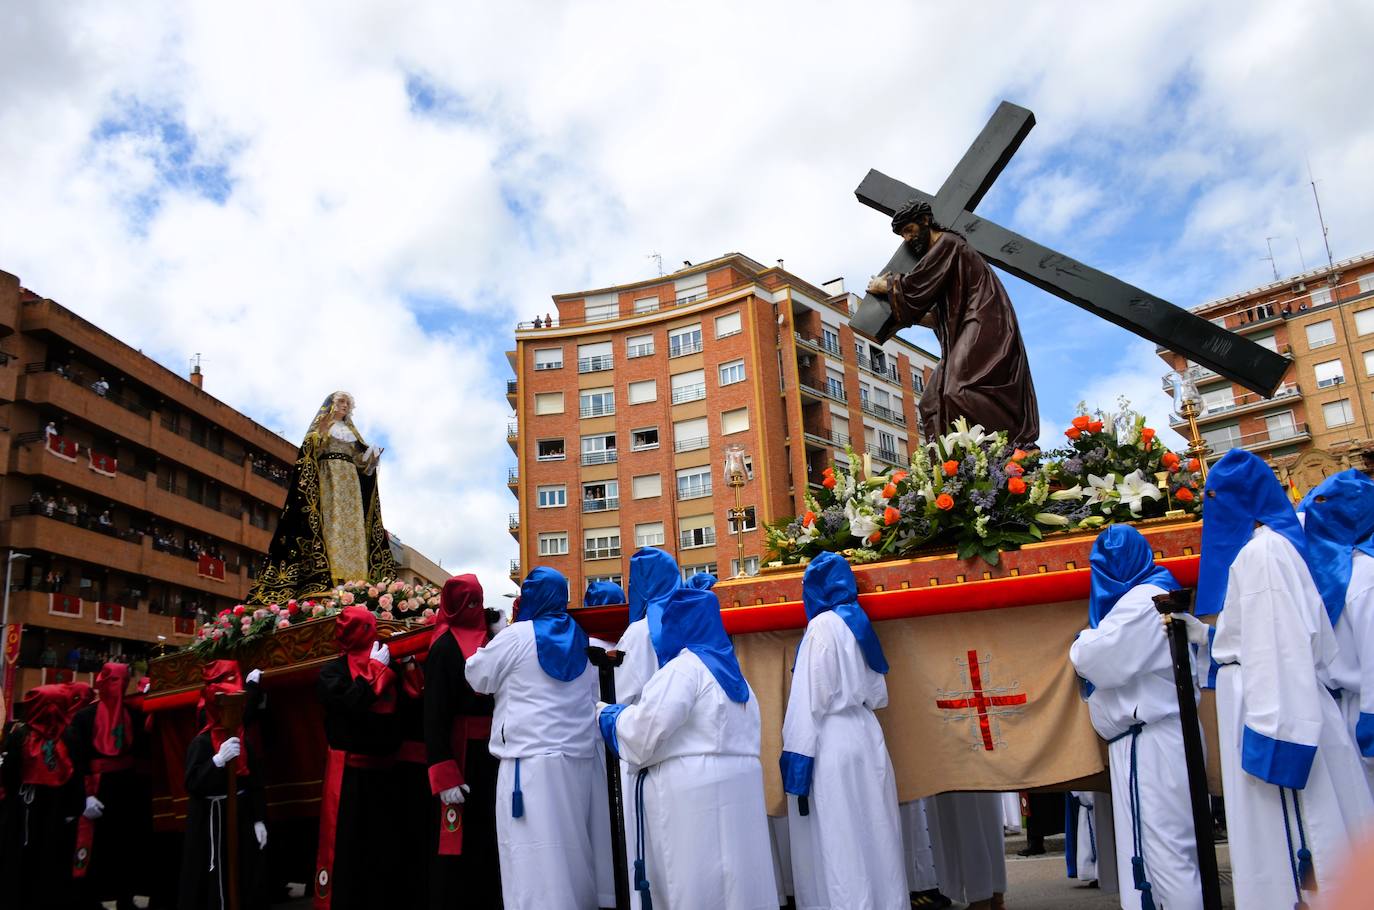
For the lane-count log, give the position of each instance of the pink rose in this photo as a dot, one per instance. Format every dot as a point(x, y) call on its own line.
point(217, 634)
point(316, 610)
point(384, 601)
point(346, 598)
point(394, 587)
point(283, 624)
point(259, 614)
point(372, 593)
point(275, 608)
point(428, 615)
point(385, 614)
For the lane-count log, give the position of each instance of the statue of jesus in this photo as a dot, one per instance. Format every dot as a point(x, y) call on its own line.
point(983, 373)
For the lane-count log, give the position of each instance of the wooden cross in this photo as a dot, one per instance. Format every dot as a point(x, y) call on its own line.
point(1172, 327)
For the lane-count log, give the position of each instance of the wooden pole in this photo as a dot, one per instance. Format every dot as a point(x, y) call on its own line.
point(605, 663)
point(232, 705)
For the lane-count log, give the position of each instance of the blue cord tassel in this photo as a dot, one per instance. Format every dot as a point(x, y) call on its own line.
point(642, 886)
point(1138, 871)
point(803, 806)
point(1306, 873)
point(517, 796)
point(1147, 901)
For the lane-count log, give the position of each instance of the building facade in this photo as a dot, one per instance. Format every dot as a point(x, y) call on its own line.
point(1323, 321)
point(135, 503)
point(626, 399)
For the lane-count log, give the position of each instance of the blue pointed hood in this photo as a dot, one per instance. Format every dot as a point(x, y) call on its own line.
point(691, 621)
point(1121, 559)
point(603, 594)
point(561, 643)
point(829, 584)
point(1241, 490)
point(1338, 520)
point(654, 576)
point(702, 581)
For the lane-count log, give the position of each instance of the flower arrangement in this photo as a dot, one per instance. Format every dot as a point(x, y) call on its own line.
point(977, 494)
point(389, 599)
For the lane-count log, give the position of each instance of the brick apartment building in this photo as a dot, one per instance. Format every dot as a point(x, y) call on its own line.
point(1323, 321)
point(140, 501)
point(626, 398)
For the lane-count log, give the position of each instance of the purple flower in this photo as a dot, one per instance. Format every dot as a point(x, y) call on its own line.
point(1073, 466)
point(831, 519)
point(983, 499)
point(909, 502)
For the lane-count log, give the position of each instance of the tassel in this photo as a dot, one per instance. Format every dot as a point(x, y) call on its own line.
point(1147, 900)
point(517, 796)
point(642, 886)
point(1138, 871)
point(1307, 873)
point(803, 806)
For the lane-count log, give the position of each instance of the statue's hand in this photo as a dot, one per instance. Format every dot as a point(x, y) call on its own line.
point(880, 285)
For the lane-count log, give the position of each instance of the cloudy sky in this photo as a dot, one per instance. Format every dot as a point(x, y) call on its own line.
point(367, 196)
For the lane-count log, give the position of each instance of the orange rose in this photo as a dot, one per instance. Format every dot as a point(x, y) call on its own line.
point(1147, 434)
point(1081, 422)
point(808, 519)
point(1016, 485)
point(899, 476)
point(1184, 495)
point(951, 468)
point(1014, 469)
point(875, 537)
point(1073, 432)
point(829, 482)
point(1095, 427)
point(1018, 455)
point(889, 491)
point(1170, 461)
point(829, 472)
point(891, 516)
point(1194, 465)
point(944, 502)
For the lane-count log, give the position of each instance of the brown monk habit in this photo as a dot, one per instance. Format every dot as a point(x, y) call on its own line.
point(983, 374)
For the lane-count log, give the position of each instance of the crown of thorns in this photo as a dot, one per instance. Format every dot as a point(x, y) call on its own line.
point(910, 213)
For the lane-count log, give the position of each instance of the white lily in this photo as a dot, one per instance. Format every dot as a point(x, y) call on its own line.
point(1100, 488)
point(1050, 519)
point(861, 524)
point(1135, 489)
point(963, 435)
point(1073, 492)
point(809, 533)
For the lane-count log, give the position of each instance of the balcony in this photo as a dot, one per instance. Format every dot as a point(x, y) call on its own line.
point(512, 391)
point(171, 444)
point(79, 401)
point(681, 347)
point(888, 456)
point(124, 488)
point(513, 480)
point(607, 456)
point(1261, 441)
point(1243, 404)
point(695, 392)
point(639, 350)
point(882, 413)
point(702, 537)
point(606, 504)
point(834, 392)
point(693, 491)
point(513, 525)
point(272, 474)
point(33, 609)
point(612, 552)
point(595, 364)
point(513, 436)
point(515, 570)
point(597, 410)
point(218, 521)
point(691, 444)
point(883, 371)
point(825, 440)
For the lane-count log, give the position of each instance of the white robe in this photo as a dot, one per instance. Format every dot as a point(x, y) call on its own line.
point(546, 728)
point(639, 665)
point(1011, 813)
point(1276, 646)
point(706, 829)
point(1085, 846)
point(916, 847)
point(1127, 659)
point(1353, 671)
point(970, 854)
point(847, 853)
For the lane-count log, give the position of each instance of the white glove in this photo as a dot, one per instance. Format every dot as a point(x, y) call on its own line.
point(454, 796)
point(254, 676)
point(261, 831)
point(1197, 629)
point(228, 751)
point(497, 625)
point(94, 808)
point(381, 653)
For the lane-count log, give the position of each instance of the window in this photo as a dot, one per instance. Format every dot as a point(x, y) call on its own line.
point(694, 483)
point(750, 523)
point(830, 340)
point(553, 496)
point(706, 568)
point(646, 486)
point(690, 289)
point(600, 312)
point(1366, 283)
point(649, 534)
point(1329, 373)
point(1222, 439)
point(877, 359)
point(613, 579)
point(689, 386)
point(736, 421)
point(690, 435)
point(696, 531)
point(592, 358)
point(728, 325)
point(865, 395)
point(1218, 400)
point(1364, 319)
point(548, 359)
point(548, 403)
point(1281, 426)
point(646, 305)
point(596, 402)
point(882, 399)
point(644, 391)
point(834, 385)
point(553, 544)
point(732, 372)
point(601, 496)
point(1267, 341)
point(1369, 363)
point(1320, 334)
point(601, 543)
point(1321, 296)
point(551, 450)
point(643, 438)
point(918, 381)
point(751, 566)
point(684, 341)
point(887, 445)
point(639, 346)
point(599, 449)
point(1337, 413)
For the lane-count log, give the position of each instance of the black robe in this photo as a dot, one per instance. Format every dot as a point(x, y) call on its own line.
point(201, 888)
point(38, 838)
point(471, 881)
point(983, 374)
point(368, 797)
point(125, 827)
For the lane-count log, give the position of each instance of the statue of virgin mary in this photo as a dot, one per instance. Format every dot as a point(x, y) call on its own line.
point(330, 529)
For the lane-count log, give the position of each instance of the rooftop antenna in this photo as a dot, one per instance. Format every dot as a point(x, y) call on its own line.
point(658, 261)
point(1330, 262)
point(1301, 258)
point(1270, 258)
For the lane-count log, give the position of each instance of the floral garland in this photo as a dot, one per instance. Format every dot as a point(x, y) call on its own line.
point(973, 492)
point(238, 625)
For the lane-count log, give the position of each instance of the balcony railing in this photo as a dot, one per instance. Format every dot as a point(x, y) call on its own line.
point(174, 426)
point(886, 371)
point(595, 364)
point(694, 491)
point(1261, 440)
point(550, 365)
point(279, 476)
point(691, 444)
point(90, 523)
point(515, 568)
point(87, 382)
point(702, 537)
point(601, 552)
point(607, 456)
point(605, 504)
point(512, 476)
point(597, 410)
point(882, 413)
point(512, 430)
point(513, 521)
point(552, 455)
point(511, 386)
point(694, 392)
point(683, 346)
point(640, 350)
point(201, 500)
point(888, 455)
point(1248, 401)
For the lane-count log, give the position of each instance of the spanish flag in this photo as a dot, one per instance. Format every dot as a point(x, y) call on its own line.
point(1293, 492)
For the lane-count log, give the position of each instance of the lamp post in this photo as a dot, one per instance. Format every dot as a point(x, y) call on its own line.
point(736, 474)
point(4, 626)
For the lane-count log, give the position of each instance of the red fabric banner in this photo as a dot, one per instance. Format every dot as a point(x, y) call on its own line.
point(210, 567)
point(13, 633)
point(184, 625)
point(109, 614)
point(64, 605)
point(100, 463)
point(62, 447)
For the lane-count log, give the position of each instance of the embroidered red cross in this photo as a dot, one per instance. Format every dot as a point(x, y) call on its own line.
point(977, 700)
